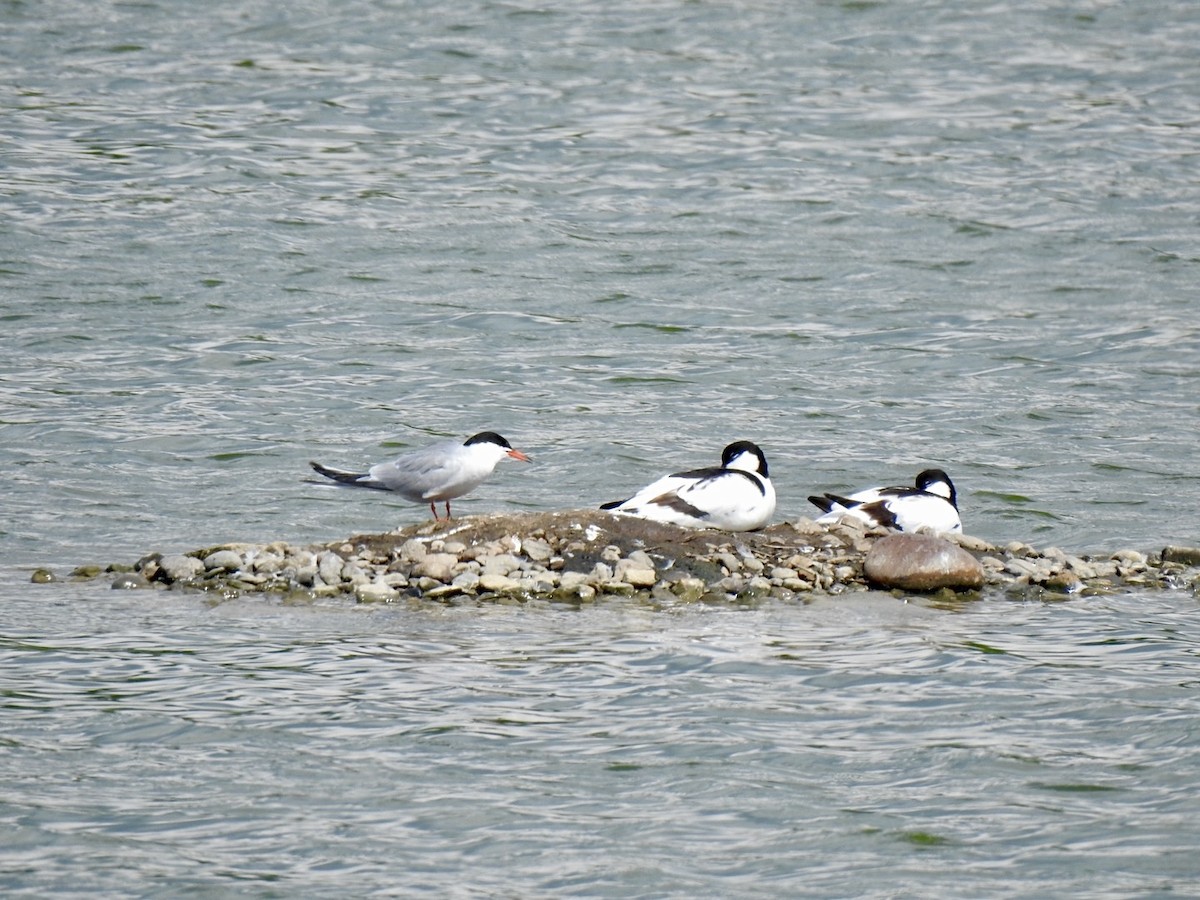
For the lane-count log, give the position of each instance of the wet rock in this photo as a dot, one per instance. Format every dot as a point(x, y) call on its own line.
point(223, 560)
point(354, 574)
point(538, 550)
point(1188, 556)
point(375, 592)
point(921, 562)
point(413, 550)
point(329, 567)
point(438, 566)
point(43, 576)
point(501, 564)
point(265, 563)
point(130, 581)
point(635, 572)
point(497, 583)
point(180, 568)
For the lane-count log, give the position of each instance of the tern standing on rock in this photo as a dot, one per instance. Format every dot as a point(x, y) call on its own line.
point(736, 496)
point(438, 473)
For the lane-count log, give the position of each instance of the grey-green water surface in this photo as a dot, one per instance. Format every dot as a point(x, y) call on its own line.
point(869, 236)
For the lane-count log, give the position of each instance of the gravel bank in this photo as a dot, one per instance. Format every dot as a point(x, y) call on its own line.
point(584, 555)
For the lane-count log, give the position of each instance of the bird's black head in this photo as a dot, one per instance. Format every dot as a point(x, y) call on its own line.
point(935, 481)
point(738, 448)
point(487, 437)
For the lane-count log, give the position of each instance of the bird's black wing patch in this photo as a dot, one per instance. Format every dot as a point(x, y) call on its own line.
point(672, 500)
point(824, 504)
point(880, 513)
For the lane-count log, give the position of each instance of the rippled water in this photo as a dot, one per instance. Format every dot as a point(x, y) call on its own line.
point(869, 236)
point(852, 747)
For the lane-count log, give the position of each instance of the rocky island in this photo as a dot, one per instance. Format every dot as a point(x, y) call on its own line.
point(581, 556)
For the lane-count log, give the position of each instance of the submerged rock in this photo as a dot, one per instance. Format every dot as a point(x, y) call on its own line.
point(127, 581)
point(921, 562)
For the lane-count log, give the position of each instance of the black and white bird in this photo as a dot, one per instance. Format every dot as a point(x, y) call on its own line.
point(737, 496)
point(439, 472)
point(931, 504)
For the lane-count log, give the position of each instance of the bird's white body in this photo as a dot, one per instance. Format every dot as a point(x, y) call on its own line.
point(438, 473)
point(931, 505)
point(737, 496)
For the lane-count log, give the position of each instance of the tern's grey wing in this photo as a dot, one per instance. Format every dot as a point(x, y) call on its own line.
point(415, 475)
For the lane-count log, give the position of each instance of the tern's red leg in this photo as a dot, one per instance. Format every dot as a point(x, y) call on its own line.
point(433, 509)
point(447, 510)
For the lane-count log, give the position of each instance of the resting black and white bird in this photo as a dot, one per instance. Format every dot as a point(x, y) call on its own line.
point(439, 472)
point(931, 504)
point(736, 496)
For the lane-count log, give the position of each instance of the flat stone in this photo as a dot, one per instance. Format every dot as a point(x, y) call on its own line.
point(497, 583)
point(921, 562)
point(638, 576)
point(500, 564)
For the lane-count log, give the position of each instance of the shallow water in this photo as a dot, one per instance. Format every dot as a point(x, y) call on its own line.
point(870, 237)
